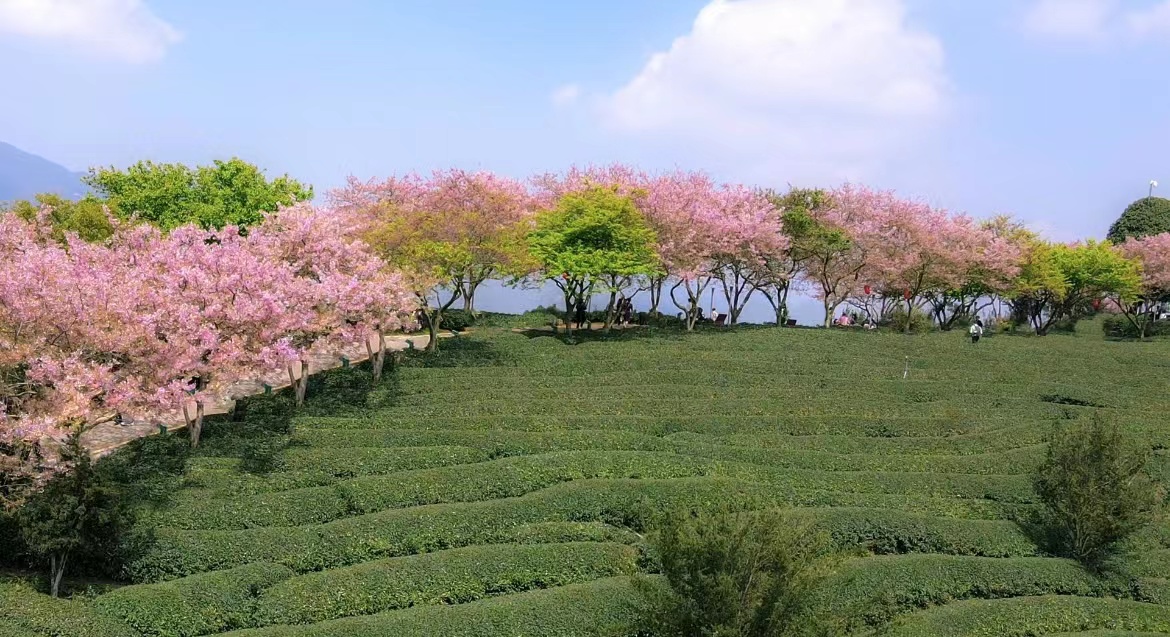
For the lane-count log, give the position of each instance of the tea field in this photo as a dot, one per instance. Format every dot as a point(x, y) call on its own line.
point(503, 487)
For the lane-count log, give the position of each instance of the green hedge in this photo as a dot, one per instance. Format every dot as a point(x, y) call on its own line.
point(179, 553)
point(1014, 462)
point(1027, 616)
point(25, 612)
point(604, 608)
point(196, 605)
point(447, 577)
point(495, 443)
point(394, 532)
point(351, 462)
point(886, 531)
point(869, 592)
point(515, 476)
point(984, 441)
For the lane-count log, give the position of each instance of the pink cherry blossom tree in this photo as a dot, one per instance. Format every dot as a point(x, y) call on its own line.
point(840, 249)
point(1153, 254)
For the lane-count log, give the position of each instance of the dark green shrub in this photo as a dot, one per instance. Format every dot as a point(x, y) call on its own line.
point(1095, 489)
point(920, 322)
point(1120, 327)
point(196, 605)
point(735, 574)
point(456, 320)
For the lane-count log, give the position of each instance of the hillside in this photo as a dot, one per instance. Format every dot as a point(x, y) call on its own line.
point(503, 486)
point(23, 175)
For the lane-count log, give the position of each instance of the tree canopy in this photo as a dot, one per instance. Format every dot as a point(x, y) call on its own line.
point(1145, 217)
point(232, 192)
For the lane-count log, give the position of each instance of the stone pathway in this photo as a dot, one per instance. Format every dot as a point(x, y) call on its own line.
point(109, 436)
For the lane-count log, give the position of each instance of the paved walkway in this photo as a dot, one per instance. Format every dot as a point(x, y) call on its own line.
point(109, 436)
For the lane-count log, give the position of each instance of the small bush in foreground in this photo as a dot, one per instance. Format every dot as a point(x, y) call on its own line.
point(733, 574)
point(1095, 489)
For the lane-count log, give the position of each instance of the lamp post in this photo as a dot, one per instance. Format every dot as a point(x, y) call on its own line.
point(1153, 185)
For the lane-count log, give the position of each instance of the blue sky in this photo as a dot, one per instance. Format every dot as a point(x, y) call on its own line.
point(1057, 111)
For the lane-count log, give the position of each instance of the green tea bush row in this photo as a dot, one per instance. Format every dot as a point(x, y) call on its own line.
point(604, 608)
point(373, 461)
point(197, 605)
point(661, 405)
point(395, 532)
point(869, 592)
point(495, 443)
point(886, 531)
point(515, 476)
point(179, 553)
point(456, 576)
point(1026, 616)
point(25, 612)
point(952, 422)
point(982, 442)
point(1014, 462)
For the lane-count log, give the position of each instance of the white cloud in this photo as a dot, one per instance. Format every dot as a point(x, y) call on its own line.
point(566, 95)
point(1152, 21)
point(830, 82)
point(1070, 19)
point(1095, 20)
point(125, 29)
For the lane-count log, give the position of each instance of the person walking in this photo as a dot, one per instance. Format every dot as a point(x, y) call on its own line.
point(976, 331)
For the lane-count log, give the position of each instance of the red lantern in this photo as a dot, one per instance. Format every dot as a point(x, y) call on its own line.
point(906, 294)
point(868, 289)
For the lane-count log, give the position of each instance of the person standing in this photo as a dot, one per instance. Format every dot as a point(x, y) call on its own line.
point(976, 331)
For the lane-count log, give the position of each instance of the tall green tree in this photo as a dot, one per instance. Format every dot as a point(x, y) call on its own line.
point(86, 216)
point(79, 514)
point(805, 235)
point(592, 239)
point(1057, 279)
point(232, 192)
point(1145, 217)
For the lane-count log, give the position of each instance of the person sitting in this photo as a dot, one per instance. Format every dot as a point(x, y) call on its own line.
point(844, 320)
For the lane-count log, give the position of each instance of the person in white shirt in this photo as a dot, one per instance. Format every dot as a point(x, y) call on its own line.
point(976, 330)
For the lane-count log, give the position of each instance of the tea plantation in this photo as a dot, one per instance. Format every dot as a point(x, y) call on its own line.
point(503, 487)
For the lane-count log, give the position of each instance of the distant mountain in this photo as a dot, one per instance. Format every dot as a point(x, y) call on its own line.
point(23, 175)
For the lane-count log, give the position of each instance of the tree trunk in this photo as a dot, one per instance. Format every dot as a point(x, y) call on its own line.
point(433, 331)
point(568, 311)
point(56, 572)
point(611, 310)
point(656, 284)
point(377, 356)
point(829, 306)
point(194, 425)
point(909, 316)
point(302, 384)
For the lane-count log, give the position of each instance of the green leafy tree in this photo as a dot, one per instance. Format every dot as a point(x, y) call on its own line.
point(591, 240)
point(735, 574)
point(86, 216)
point(231, 192)
point(79, 514)
point(1145, 217)
point(1057, 280)
point(1095, 489)
point(806, 236)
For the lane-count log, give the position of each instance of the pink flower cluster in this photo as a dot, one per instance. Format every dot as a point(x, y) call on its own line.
point(145, 321)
